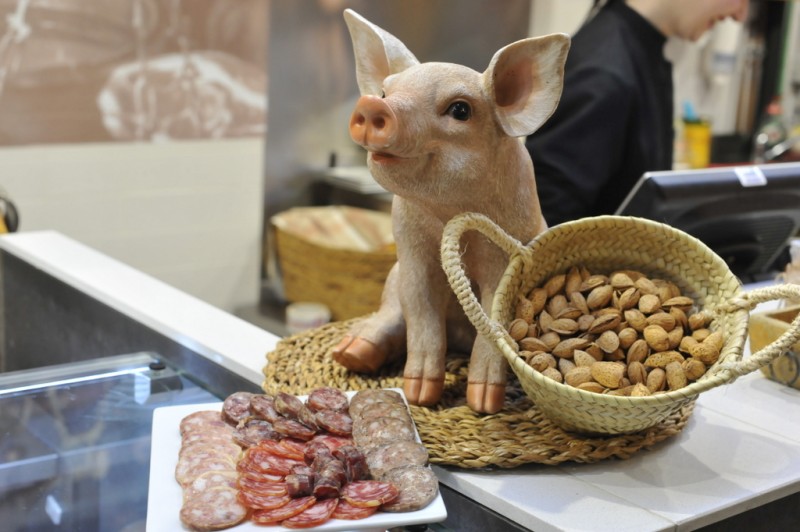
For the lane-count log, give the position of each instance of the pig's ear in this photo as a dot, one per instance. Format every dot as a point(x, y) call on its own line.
point(378, 53)
point(525, 78)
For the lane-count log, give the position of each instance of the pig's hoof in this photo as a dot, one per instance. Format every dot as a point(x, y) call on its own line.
point(486, 398)
point(424, 392)
point(359, 354)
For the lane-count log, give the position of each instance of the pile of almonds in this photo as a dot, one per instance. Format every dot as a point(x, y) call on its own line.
point(620, 334)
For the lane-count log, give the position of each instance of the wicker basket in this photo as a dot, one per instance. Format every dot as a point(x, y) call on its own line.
point(604, 244)
point(348, 280)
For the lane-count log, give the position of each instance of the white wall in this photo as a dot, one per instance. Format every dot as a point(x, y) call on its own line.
point(189, 213)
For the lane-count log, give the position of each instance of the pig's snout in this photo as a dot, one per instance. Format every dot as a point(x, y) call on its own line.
point(373, 123)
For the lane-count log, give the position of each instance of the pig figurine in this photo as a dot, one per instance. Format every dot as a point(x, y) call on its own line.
point(445, 140)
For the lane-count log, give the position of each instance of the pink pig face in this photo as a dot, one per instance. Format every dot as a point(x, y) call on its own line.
point(432, 119)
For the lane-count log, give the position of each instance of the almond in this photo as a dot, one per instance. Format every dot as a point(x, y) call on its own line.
point(676, 378)
point(638, 351)
point(582, 358)
point(604, 323)
point(592, 386)
point(553, 373)
point(693, 368)
point(661, 359)
point(524, 309)
point(532, 344)
point(566, 348)
point(609, 374)
point(640, 390)
point(637, 373)
point(564, 326)
point(656, 379)
point(538, 298)
point(706, 352)
point(541, 361)
point(635, 319)
point(656, 337)
point(518, 329)
point(555, 284)
point(662, 319)
point(608, 341)
point(627, 336)
point(578, 375)
point(599, 297)
point(649, 303)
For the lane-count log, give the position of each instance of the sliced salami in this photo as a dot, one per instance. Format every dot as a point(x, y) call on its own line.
point(290, 509)
point(253, 430)
point(211, 480)
point(299, 484)
point(264, 461)
point(366, 397)
point(369, 493)
point(418, 486)
point(213, 510)
point(335, 422)
point(331, 442)
point(253, 485)
point(355, 463)
point(313, 516)
point(236, 407)
point(263, 407)
point(327, 398)
point(345, 510)
point(246, 470)
point(291, 428)
point(203, 421)
point(381, 431)
point(190, 467)
point(258, 501)
point(308, 417)
point(294, 448)
point(288, 405)
point(397, 454)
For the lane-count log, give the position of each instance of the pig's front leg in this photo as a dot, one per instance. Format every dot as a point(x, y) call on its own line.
point(425, 295)
point(486, 379)
point(379, 338)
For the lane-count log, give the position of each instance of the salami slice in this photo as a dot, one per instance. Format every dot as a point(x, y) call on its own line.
point(246, 470)
point(263, 407)
point(264, 461)
point(290, 509)
point(327, 398)
point(398, 454)
point(418, 486)
point(253, 485)
point(355, 463)
point(369, 493)
point(203, 421)
point(258, 501)
point(213, 509)
point(366, 397)
point(294, 448)
point(291, 428)
point(331, 442)
point(299, 484)
point(345, 510)
point(253, 430)
point(190, 466)
point(335, 422)
point(211, 480)
point(236, 407)
point(288, 405)
point(313, 516)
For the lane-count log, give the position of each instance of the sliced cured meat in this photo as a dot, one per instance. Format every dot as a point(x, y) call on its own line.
point(373, 410)
point(292, 428)
point(327, 398)
point(211, 480)
point(252, 431)
point(246, 470)
point(316, 449)
point(213, 509)
point(345, 510)
point(207, 437)
point(288, 405)
point(418, 486)
point(396, 454)
point(258, 501)
point(335, 422)
point(290, 509)
point(313, 516)
point(308, 417)
point(299, 484)
point(355, 463)
point(236, 407)
point(190, 467)
point(264, 461)
point(294, 448)
point(263, 407)
point(220, 446)
point(203, 421)
point(329, 479)
point(366, 397)
point(382, 430)
point(331, 442)
point(369, 493)
point(253, 485)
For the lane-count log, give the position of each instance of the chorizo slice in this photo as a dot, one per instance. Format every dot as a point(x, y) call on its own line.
point(288, 405)
point(236, 407)
point(290, 509)
point(252, 431)
point(369, 493)
point(252, 485)
point(257, 501)
point(263, 407)
point(315, 515)
point(327, 398)
point(345, 510)
point(291, 428)
point(295, 449)
point(335, 422)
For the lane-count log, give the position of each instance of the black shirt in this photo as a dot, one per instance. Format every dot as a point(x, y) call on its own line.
point(614, 121)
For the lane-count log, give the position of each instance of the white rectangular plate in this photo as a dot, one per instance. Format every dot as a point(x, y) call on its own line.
point(165, 495)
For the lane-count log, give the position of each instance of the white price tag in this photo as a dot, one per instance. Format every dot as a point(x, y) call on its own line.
point(750, 176)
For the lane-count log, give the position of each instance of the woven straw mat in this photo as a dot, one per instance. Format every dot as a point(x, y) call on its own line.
point(453, 434)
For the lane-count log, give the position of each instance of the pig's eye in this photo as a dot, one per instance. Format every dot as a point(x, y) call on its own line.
point(383, 94)
point(460, 111)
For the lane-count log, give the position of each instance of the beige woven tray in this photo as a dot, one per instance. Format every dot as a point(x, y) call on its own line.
point(453, 434)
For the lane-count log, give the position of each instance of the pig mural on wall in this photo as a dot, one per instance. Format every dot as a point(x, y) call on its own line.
point(445, 139)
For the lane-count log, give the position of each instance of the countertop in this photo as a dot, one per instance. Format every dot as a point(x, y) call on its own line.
point(739, 450)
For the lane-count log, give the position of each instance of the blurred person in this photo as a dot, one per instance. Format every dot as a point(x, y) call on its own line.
point(615, 118)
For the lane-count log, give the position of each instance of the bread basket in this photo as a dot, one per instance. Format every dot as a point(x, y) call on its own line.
point(604, 244)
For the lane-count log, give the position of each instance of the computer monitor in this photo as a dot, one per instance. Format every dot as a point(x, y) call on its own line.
point(746, 214)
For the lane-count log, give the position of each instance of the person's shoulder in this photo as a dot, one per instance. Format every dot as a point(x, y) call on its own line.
point(601, 51)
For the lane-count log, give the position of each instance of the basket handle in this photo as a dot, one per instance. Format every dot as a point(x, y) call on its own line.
point(454, 269)
point(765, 355)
